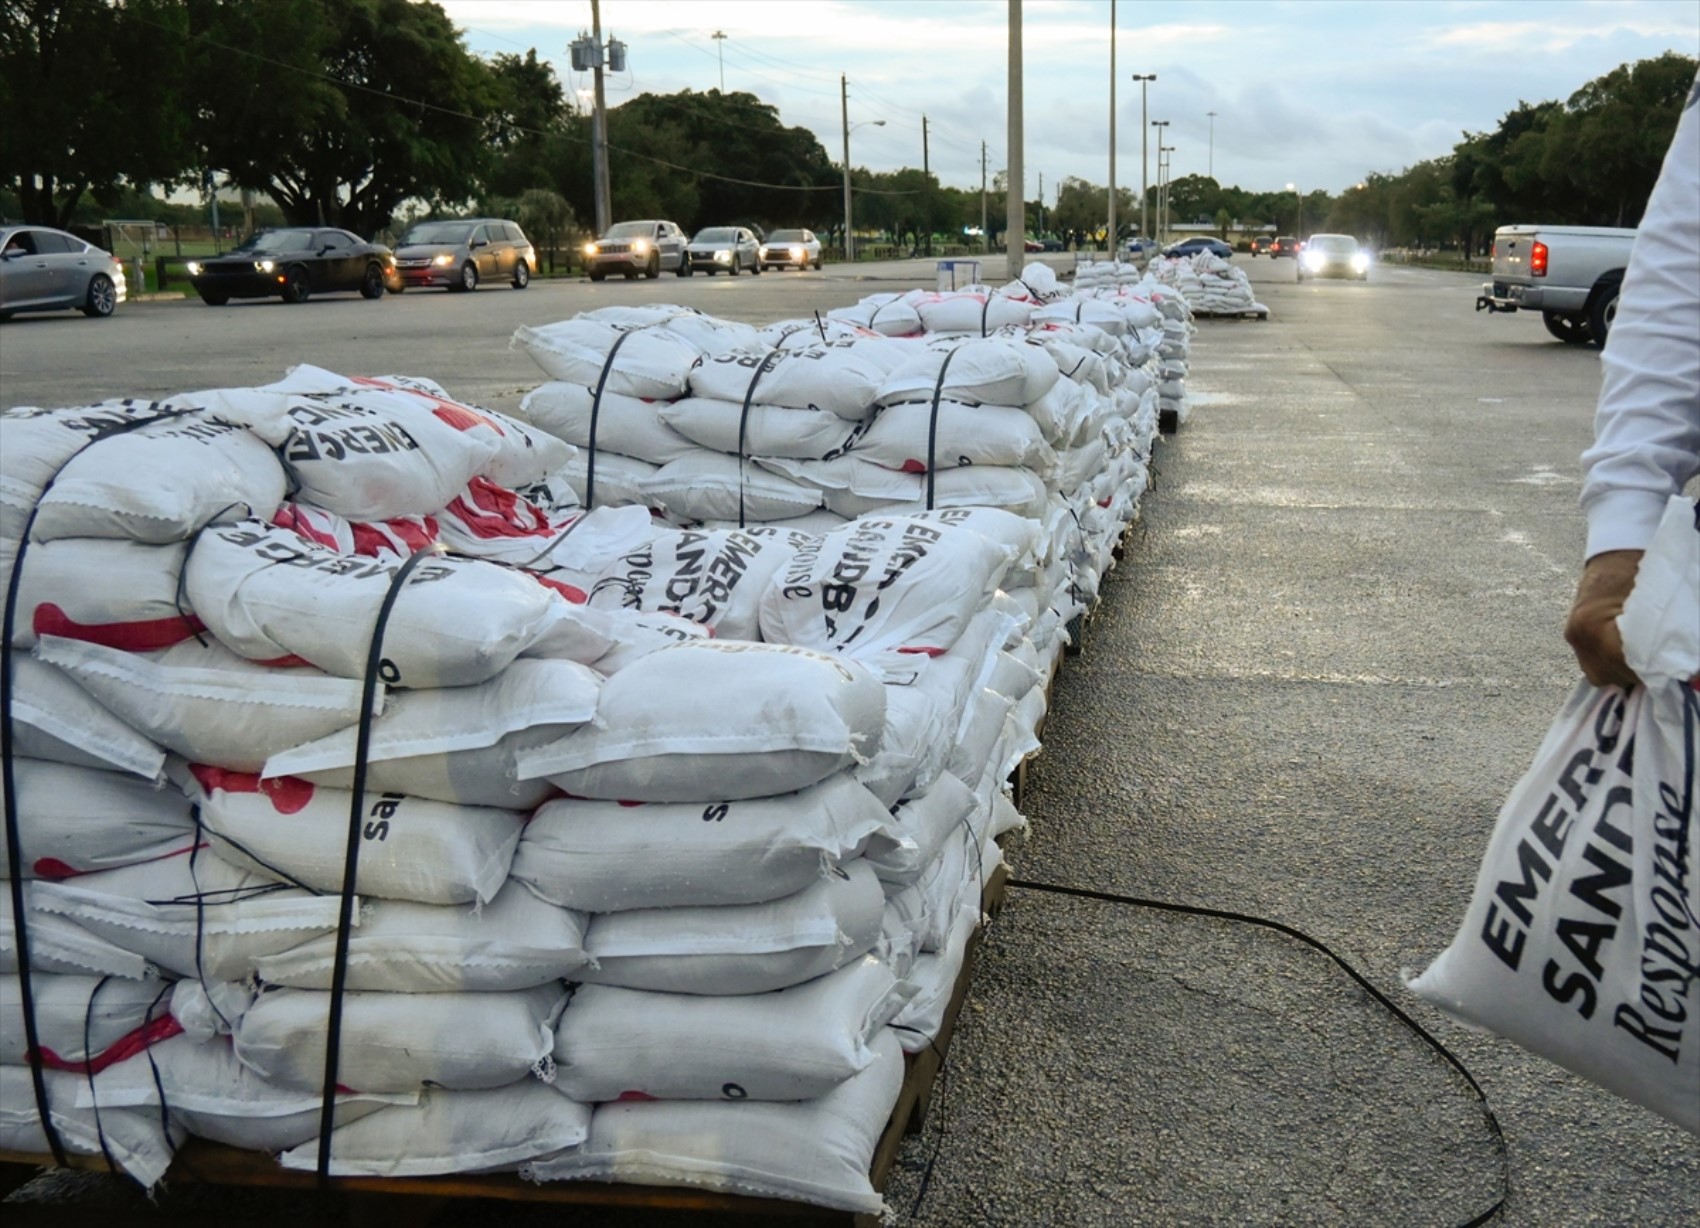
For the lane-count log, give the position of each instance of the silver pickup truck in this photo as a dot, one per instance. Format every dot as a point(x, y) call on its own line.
point(1570, 274)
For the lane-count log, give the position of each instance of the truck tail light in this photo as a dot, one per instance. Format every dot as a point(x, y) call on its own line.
point(1538, 260)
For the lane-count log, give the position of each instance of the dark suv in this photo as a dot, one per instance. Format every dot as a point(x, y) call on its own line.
point(461, 252)
point(1261, 244)
point(1286, 245)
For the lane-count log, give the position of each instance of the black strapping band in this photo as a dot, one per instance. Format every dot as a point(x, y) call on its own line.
point(743, 423)
point(351, 857)
point(595, 413)
point(933, 424)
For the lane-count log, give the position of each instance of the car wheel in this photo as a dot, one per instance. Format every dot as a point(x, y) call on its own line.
point(755, 269)
point(654, 268)
point(1570, 329)
point(684, 269)
point(1602, 314)
point(295, 285)
point(102, 297)
point(595, 274)
point(732, 269)
point(372, 284)
point(214, 300)
point(522, 275)
point(468, 277)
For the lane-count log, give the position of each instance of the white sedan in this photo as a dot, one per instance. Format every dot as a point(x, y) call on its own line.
point(798, 248)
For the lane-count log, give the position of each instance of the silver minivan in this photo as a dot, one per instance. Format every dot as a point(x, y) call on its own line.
point(461, 252)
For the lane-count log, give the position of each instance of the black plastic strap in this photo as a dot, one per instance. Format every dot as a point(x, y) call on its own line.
point(351, 857)
point(88, 1072)
point(9, 783)
point(743, 423)
point(985, 308)
point(595, 413)
point(821, 324)
point(933, 424)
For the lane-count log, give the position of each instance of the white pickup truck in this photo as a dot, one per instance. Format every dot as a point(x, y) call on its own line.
point(1570, 274)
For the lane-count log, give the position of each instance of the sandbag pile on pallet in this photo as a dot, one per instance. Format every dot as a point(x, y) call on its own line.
point(759, 856)
point(1210, 284)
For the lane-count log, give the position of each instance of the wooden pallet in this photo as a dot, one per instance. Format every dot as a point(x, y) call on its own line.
point(1249, 313)
point(202, 1162)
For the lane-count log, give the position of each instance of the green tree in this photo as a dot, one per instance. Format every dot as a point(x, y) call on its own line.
point(91, 100)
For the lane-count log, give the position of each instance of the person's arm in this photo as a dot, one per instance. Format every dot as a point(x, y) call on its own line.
point(1647, 425)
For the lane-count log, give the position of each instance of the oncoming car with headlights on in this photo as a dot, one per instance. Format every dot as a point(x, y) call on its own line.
point(631, 248)
point(796, 248)
point(1333, 256)
point(295, 263)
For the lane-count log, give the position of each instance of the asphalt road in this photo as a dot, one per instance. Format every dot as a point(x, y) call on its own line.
point(1332, 648)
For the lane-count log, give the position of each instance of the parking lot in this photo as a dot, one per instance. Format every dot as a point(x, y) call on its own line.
point(1331, 649)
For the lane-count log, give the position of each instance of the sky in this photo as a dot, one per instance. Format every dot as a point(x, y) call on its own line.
point(1313, 92)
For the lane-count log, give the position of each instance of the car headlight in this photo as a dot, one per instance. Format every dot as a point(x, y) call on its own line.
point(723, 257)
point(1311, 260)
point(444, 260)
point(640, 247)
point(264, 266)
point(194, 267)
point(796, 253)
point(762, 252)
point(1360, 262)
point(590, 249)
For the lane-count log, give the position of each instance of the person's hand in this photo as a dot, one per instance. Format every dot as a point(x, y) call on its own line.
point(1592, 627)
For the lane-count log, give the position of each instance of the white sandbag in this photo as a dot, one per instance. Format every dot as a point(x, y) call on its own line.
point(1016, 672)
point(137, 604)
point(216, 1097)
point(398, 537)
point(139, 1142)
point(610, 857)
point(883, 586)
point(796, 1044)
point(61, 946)
point(453, 1132)
point(628, 425)
point(974, 748)
point(890, 315)
point(36, 443)
point(84, 1023)
point(400, 1042)
point(191, 915)
point(650, 363)
point(199, 469)
point(619, 479)
point(740, 948)
point(714, 577)
point(915, 834)
point(76, 820)
point(971, 311)
point(55, 719)
point(852, 487)
point(1579, 939)
point(456, 744)
point(412, 848)
point(713, 486)
point(799, 332)
point(912, 752)
point(767, 430)
point(266, 594)
point(993, 371)
point(718, 719)
point(818, 1151)
point(638, 635)
point(590, 544)
point(934, 977)
point(907, 436)
point(1661, 635)
point(206, 703)
point(840, 379)
point(516, 941)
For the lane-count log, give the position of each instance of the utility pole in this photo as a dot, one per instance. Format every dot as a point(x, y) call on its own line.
point(599, 131)
point(719, 38)
point(1144, 80)
point(1159, 124)
point(844, 104)
point(1015, 198)
point(1110, 238)
point(1210, 163)
point(985, 235)
point(926, 172)
point(1041, 202)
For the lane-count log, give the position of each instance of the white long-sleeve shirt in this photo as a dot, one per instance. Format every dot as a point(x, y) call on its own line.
point(1647, 426)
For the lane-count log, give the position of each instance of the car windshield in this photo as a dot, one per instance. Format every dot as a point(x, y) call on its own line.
point(278, 241)
point(1338, 245)
point(716, 234)
point(437, 232)
point(785, 236)
point(630, 230)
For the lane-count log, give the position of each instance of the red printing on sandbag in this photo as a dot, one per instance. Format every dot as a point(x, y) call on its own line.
point(126, 1047)
point(143, 635)
point(288, 794)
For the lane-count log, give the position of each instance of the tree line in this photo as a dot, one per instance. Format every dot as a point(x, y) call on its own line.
point(364, 113)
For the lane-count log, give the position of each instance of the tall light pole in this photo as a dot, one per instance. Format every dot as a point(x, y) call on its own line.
point(1110, 237)
point(1159, 124)
point(1164, 167)
point(1015, 196)
point(844, 87)
point(1210, 163)
point(1144, 79)
point(719, 38)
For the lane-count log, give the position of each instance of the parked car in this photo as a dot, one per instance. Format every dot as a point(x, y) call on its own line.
point(461, 253)
point(1199, 243)
point(295, 263)
point(799, 248)
point(1333, 256)
point(727, 249)
point(631, 248)
point(1262, 244)
point(1140, 246)
point(42, 269)
point(1286, 245)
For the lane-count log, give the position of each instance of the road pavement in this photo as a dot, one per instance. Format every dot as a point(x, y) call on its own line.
point(1331, 649)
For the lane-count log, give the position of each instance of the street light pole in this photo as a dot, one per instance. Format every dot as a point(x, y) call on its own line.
point(1210, 163)
point(844, 98)
point(1159, 124)
point(1144, 80)
point(1015, 196)
point(1165, 167)
point(719, 38)
point(1110, 240)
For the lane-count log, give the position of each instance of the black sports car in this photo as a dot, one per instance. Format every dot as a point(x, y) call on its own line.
point(294, 263)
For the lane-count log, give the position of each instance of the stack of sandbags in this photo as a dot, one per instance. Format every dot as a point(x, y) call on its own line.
point(1103, 274)
point(1210, 284)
